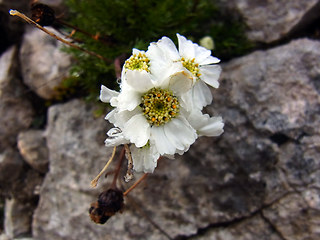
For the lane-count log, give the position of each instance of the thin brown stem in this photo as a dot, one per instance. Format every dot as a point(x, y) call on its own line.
point(94, 182)
point(129, 175)
point(135, 184)
point(30, 21)
point(117, 171)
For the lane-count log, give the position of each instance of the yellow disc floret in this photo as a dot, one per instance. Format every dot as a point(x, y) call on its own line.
point(138, 62)
point(191, 66)
point(159, 106)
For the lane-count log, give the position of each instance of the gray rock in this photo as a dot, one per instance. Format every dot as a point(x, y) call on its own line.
point(16, 112)
point(76, 151)
point(11, 166)
point(18, 185)
point(278, 89)
point(43, 63)
point(233, 186)
point(273, 20)
point(296, 216)
point(17, 180)
point(32, 146)
point(18, 216)
point(254, 227)
point(4, 237)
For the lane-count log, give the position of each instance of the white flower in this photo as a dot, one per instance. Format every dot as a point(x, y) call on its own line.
point(153, 118)
point(158, 109)
point(195, 59)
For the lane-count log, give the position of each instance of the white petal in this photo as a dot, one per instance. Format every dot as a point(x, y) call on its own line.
point(214, 127)
point(113, 132)
point(128, 99)
point(144, 159)
point(111, 116)
point(140, 81)
point(122, 117)
point(210, 74)
point(209, 60)
point(161, 141)
point(201, 95)
point(201, 53)
point(206, 125)
point(163, 60)
point(180, 82)
point(137, 51)
point(197, 119)
point(180, 133)
point(116, 138)
point(158, 61)
point(186, 47)
point(186, 101)
point(137, 130)
point(168, 48)
point(106, 94)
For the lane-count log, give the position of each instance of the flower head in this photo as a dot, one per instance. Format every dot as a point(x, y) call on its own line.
point(153, 110)
point(193, 58)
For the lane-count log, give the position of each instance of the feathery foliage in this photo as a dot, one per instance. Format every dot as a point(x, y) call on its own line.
point(121, 25)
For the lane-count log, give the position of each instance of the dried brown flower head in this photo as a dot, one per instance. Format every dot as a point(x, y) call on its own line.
point(109, 203)
point(42, 14)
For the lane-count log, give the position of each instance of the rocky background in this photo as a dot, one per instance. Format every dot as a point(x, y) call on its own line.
point(259, 180)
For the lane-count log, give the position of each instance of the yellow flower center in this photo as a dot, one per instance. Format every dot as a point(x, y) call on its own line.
point(138, 62)
point(159, 106)
point(191, 66)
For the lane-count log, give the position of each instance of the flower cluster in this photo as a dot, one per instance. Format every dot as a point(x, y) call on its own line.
point(158, 110)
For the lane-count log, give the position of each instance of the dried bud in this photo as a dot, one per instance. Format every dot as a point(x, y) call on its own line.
point(109, 203)
point(42, 14)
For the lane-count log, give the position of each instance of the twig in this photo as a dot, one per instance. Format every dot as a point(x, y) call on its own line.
point(129, 175)
point(115, 177)
point(135, 184)
point(30, 21)
point(94, 182)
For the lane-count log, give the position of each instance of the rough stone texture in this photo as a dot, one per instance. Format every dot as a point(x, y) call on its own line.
point(16, 178)
point(296, 216)
point(43, 63)
point(19, 186)
point(279, 89)
point(252, 228)
point(271, 20)
point(33, 148)
point(259, 180)
point(77, 153)
point(18, 217)
point(11, 166)
point(15, 110)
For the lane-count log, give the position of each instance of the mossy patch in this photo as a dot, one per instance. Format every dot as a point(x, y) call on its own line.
point(118, 26)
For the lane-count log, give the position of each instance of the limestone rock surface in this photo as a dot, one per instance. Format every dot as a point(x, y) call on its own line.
point(260, 179)
point(15, 110)
point(272, 20)
point(43, 63)
point(32, 146)
point(18, 217)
